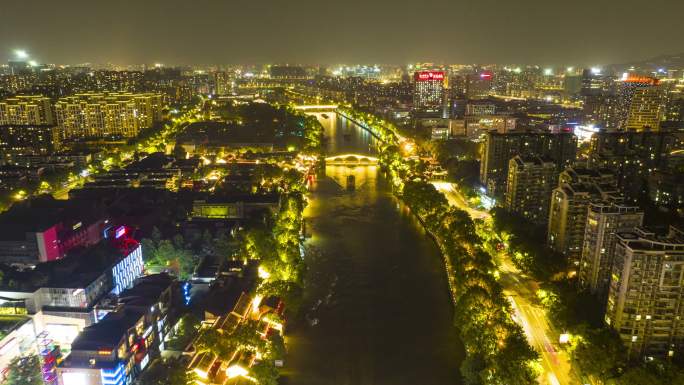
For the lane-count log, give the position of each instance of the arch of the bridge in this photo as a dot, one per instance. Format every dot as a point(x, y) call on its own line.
point(352, 158)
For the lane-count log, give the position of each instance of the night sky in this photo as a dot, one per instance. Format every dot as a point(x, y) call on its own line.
point(549, 32)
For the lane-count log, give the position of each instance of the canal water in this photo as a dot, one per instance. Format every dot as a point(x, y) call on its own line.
point(377, 307)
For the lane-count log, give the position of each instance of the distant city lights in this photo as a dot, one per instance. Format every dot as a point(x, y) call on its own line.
point(584, 132)
point(21, 54)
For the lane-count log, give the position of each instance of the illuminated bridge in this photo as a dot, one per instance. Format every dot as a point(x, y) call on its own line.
point(316, 107)
point(351, 160)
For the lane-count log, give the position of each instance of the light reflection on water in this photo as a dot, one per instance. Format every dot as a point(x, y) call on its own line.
point(377, 308)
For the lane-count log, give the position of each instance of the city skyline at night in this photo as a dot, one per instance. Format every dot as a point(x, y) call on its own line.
point(342, 193)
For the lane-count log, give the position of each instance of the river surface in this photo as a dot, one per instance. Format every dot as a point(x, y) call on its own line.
point(377, 307)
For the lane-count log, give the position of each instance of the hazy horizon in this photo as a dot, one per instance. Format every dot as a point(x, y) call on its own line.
point(209, 32)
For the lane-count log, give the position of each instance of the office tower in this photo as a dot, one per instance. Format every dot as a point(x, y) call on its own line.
point(647, 109)
point(479, 84)
point(428, 90)
point(25, 110)
point(499, 148)
point(529, 185)
point(633, 156)
point(107, 114)
point(645, 301)
point(595, 82)
point(577, 188)
point(604, 220)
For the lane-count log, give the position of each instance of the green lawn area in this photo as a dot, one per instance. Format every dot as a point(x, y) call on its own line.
point(9, 322)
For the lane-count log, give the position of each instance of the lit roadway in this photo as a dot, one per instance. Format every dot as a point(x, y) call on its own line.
point(521, 291)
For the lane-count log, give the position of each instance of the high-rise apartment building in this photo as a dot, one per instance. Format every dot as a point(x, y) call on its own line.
point(499, 148)
point(610, 104)
point(428, 92)
point(577, 188)
point(633, 156)
point(222, 83)
point(666, 189)
point(645, 297)
point(27, 139)
point(25, 110)
point(102, 114)
point(647, 109)
point(528, 187)
point(604, 220)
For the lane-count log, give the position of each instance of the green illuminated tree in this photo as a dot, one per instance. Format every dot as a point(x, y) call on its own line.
point(266, 373)
point(600, 353)
point(24, 371)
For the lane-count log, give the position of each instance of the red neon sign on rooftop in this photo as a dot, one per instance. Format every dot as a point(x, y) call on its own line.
point(423, 76)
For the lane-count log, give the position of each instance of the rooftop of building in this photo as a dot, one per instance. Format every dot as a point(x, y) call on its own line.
point(77, 270)
point(83, 265)
point(270, 198)
point(523, 160)
point(28, 126)
point(584, 171)
point(107, 333)
point(153, 161)
point(641, 239)
point(224, 295)
point(42, 212)
point(614, 207)
point(146, 291)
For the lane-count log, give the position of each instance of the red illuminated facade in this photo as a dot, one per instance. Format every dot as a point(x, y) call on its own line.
point(428, 92)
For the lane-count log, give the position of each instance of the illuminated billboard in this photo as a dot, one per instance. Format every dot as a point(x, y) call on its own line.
point(120, 232)
point(422, 76)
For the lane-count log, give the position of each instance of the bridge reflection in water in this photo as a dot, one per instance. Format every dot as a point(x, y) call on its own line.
point(351, 160)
